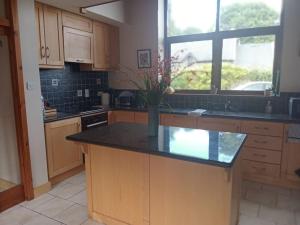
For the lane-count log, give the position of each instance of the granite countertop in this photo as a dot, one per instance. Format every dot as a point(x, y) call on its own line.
point(284, 118)
point(201, 146)
point(60, 116)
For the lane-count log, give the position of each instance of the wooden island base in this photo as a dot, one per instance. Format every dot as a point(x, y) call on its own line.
point(131, 188)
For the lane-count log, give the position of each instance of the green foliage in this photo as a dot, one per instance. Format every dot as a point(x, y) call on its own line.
point(200, 78)
point(248, 15)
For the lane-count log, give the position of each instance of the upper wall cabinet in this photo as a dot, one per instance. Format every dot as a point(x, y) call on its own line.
point(77, 22)
point(106, 48)
point(78, 46)
point(78, 38)
point(50, 38)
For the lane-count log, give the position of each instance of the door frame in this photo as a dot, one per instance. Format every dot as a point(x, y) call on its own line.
point(10, 28)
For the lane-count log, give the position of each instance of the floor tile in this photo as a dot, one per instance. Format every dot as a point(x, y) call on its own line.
point(42, 220)
point(54, 207)
point(249, 208)
point(263, 197)
point(279, 216)
point(250, 220)
point(251, 185)
point(80, 198)
point(291, 203)
point(298, 218)
point(75, 215)
point(277, 190)
point(68, 190)
point(18, 216)
point(77, 179)
point(92, 222)
point(38, 201)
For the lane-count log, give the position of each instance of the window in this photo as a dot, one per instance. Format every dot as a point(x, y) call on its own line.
point(231, 45)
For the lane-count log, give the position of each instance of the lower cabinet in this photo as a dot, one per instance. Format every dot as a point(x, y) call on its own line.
point(123, 116)
point(225, 125)
point(141, 117)
point(62, 155)
point(178, 120)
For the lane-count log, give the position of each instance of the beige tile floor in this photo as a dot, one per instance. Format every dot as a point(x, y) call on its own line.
point(66, 204)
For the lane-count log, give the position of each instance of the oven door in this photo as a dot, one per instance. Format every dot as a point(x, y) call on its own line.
point(94, 120)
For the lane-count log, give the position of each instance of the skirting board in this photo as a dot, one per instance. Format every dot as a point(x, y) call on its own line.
point(42, 189)
point(4, 184)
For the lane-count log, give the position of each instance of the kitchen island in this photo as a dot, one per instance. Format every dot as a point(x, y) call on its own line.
point(183, 176)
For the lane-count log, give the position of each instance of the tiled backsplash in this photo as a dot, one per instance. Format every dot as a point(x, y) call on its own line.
point(64, 96)
point(238, 103)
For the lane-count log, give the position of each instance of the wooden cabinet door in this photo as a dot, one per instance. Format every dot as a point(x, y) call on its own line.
point(119, 185)
point(292, 158)
point(178, 120)
point(78, 46)
point(124, 116)
point(62, 155)
point(106, 47)
point(53, 36)
point(101, 43)
point(40, 30)
point(114, 56)
point(225, 125)
point(77, 22)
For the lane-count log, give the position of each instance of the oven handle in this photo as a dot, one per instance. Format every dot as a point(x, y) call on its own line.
point(94, 114)
point(96, 124)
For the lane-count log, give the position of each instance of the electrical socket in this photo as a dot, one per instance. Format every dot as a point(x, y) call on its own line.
point(54, 82)
point(86, 93)
point(79, 93)
point(99, 93)
point(98, 81)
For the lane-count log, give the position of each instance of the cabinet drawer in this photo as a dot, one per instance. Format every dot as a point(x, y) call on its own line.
point(178, 121)
point(124, 116)
point(261, 155)
point(225, 125)
point(141, 117)
point(262, 128)
point(77, 22)
point(261, 169)
point(265, 142)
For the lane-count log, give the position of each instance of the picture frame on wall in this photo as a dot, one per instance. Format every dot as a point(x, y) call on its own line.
point(144, 58)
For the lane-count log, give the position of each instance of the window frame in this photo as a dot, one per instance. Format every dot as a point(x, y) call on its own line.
point(217, 38)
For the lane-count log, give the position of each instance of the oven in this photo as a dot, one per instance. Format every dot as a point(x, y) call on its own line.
point(94, 119)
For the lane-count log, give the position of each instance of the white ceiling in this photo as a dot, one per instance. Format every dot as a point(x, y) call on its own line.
point(73, 5)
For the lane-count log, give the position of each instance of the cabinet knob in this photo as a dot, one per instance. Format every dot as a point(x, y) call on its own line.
point(47, 52)
point(43, 53)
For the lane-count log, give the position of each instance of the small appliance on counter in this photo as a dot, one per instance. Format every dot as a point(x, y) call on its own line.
point(125, 99)
point(294, 107)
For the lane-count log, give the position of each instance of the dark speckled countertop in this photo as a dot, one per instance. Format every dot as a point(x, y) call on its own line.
point(195, 145)
point(284, 118)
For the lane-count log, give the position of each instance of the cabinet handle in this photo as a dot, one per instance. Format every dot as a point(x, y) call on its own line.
point(260, 142)
point(79, 60)
point(259, 169)
point(47, 52)
point(260, 155)
point(261, 128)
point(43, 53)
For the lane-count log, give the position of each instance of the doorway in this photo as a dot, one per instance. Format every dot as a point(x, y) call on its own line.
point(15, 169)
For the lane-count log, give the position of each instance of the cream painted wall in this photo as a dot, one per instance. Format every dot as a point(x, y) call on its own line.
point(33, 96)
point(9, 161)
point(139, 33)
point(142, 32)
point(290, 75)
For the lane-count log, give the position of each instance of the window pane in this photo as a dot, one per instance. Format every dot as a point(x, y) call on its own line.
point(247, 63)
point(240, 14)
point(191, 16)
point(192, 66)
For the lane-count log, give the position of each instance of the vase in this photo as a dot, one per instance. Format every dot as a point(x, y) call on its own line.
point(153, 120)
